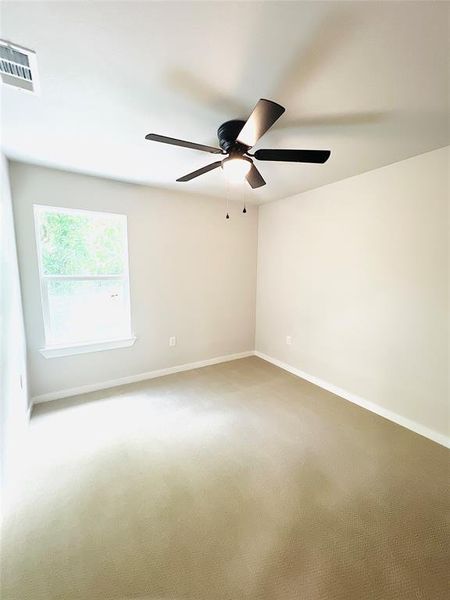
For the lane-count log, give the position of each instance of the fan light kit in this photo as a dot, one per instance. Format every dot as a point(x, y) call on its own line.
point(236, 169)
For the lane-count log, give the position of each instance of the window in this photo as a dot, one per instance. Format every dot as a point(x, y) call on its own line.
point(83, 268)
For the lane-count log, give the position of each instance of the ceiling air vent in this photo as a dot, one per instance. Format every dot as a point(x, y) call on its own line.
point(18, 67)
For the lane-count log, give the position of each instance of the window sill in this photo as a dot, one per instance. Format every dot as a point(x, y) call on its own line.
point(68, 350)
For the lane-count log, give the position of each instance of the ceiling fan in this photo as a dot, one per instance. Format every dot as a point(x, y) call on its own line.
point(237, 137)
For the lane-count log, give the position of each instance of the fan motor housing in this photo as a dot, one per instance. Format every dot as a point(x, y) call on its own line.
point(227, 134)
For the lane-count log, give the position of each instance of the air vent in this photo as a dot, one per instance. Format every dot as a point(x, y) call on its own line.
point(18, 67)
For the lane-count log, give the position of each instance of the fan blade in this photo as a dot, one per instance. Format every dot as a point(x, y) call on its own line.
point(255, 178)
point(201, 171)
point(154, 137)
point(305, 156)
point(262, 118)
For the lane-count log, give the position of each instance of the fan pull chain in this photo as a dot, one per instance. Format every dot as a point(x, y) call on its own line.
point(228, 200)
point(245, 199)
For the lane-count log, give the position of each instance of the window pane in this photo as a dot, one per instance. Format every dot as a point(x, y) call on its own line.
point(87, 310)
point(82, 244)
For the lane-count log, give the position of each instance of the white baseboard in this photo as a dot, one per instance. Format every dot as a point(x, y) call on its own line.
point(94, 387)
point(367, 404)
point(439, 438)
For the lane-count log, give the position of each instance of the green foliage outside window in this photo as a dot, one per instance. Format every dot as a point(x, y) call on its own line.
point(81, 245)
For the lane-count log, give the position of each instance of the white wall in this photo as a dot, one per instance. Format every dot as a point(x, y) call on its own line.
point(13, 364)
point(356, 272)
point(192, 275)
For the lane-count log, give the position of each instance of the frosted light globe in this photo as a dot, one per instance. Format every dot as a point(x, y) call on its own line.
point(236, 169)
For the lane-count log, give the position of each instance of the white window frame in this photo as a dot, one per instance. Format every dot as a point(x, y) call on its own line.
point(51, 349)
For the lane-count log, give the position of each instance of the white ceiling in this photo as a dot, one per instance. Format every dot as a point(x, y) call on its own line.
point(369, 81)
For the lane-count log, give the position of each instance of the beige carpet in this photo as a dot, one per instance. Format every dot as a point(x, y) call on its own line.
point(236, 481)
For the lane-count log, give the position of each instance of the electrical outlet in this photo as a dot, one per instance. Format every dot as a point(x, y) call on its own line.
point(172, 341)
point(289, 340)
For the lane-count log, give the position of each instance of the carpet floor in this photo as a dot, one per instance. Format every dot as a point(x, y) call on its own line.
point(237, 481)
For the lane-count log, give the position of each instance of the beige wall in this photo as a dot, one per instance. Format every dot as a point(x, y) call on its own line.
point(356, 272)
point(13, 357)
point(192, 275)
